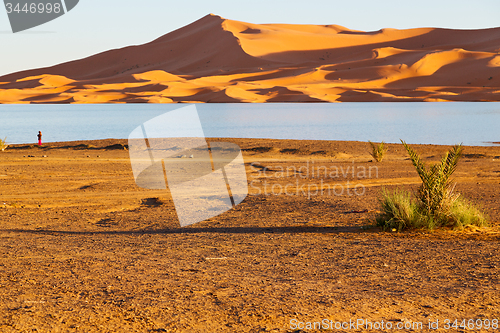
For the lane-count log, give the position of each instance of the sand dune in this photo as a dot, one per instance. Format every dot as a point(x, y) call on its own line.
point(220, 60)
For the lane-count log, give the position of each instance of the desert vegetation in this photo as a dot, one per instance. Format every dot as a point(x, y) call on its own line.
point(436, 204)
point(378, 151)
point(3, 144)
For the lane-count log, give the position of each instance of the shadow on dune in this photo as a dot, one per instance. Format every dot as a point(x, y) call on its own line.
point(429, 42)
point(215, 47)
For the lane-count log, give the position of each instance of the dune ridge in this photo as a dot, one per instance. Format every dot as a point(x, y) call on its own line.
point(220, 60)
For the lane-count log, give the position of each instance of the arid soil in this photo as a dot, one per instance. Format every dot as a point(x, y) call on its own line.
point(83, 249)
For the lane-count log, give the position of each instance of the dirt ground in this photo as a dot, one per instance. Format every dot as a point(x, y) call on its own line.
point(83, 249)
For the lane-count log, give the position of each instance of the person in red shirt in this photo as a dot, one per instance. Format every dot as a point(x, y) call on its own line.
point(39, 138)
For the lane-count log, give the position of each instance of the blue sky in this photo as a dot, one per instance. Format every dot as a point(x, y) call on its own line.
point(99, 25)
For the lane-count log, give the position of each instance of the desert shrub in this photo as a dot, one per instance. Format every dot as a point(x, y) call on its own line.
point(436, 193)
point(378, 151)
point(399, 210)
point(464, 213)
point(3, 144)
point(436, 203)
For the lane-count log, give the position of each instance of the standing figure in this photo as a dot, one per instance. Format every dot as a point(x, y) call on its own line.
point(39, 138)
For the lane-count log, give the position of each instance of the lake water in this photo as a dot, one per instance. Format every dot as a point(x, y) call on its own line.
point(436, 123)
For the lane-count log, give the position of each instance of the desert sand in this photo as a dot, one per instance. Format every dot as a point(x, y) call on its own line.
point(85, 250)
point(221, 60)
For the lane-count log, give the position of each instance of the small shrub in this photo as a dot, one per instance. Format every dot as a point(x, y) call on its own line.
point(436, 193)
point(378, 151)
point(399, 211)
point(436, 203)
point(464, 213)
point(3, 144)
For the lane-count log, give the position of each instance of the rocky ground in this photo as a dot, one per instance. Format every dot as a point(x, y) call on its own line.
point(83, 249)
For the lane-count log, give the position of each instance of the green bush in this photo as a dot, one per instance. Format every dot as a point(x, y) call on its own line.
point(399, 211)
point(436, 192)
point(378, 151)
point(436, 204)
point(463, 213)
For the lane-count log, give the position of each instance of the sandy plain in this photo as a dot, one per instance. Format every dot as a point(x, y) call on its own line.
point(83, 249)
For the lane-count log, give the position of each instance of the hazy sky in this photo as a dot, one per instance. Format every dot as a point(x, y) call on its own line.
point(97, 25)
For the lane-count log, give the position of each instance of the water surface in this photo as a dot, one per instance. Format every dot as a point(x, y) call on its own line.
point(434, 123)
